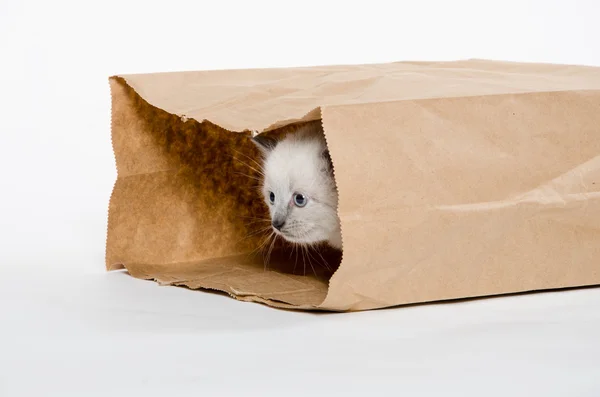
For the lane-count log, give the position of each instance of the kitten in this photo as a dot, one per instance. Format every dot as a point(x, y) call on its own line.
point(299, 187)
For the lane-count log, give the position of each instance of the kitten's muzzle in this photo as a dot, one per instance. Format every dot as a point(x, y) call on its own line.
point(278, 223)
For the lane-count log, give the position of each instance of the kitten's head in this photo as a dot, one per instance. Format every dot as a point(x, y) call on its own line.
point(299, 188)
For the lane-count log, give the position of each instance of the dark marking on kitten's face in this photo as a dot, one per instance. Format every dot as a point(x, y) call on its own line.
point(327, 157)
point(265, 143)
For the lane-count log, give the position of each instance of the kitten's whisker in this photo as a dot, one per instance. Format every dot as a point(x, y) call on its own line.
point(254, 252)
point(269, 239)
point(261, 246)
point(252, 168)
point(324, 261)
point(302, 231)
point(271, 249)
point(254, 217)
point(257, 221)
point(309, 260)
point(254, 233)
point(265, 242)
point(296, 260)
point(258, 171)
point(303, 258)
point(248, 176)
point(249, 158)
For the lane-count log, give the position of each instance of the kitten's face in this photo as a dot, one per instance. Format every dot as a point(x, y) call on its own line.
point(300, 191)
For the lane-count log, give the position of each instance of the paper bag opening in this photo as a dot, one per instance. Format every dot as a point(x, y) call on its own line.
point(187, 210)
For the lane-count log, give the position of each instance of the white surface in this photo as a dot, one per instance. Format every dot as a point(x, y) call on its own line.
point(69, 329)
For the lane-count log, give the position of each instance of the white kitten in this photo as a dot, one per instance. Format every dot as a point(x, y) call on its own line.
point(299, 187)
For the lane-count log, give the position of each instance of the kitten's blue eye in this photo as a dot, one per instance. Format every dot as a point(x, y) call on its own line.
point(271, 197)
point(300, 200)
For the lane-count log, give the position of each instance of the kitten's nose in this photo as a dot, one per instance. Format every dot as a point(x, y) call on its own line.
point(278, 223)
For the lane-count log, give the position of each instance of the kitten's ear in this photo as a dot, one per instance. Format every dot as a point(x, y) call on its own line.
point(327, 158)
point(264, 143)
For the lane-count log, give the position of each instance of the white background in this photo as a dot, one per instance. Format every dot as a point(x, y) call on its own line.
point(67, 328)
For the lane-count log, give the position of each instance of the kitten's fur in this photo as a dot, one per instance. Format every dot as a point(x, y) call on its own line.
point(300, 163)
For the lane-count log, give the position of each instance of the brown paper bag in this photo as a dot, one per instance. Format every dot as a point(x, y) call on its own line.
point(455, 179)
